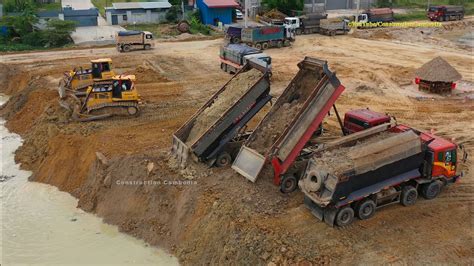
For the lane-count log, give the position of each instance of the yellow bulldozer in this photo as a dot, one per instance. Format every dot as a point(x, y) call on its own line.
point(79, 79)
point(117, 96)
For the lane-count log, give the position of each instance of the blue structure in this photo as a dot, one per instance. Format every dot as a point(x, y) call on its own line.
point(83, 17)
point(214, 11)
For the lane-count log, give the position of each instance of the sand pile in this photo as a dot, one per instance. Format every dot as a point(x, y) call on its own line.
point(280, 117)
point(236, 88)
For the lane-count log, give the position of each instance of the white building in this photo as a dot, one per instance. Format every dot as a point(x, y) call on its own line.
point(137, 12)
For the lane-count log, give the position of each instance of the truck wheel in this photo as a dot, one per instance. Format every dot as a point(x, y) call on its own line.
point(409, 195)
point(258, 46)
point(345, 216)
point(126, 48)
point(264, 45)
point(287, 43)
point(431, 190)
point(234, 40)
point(147, 47)
point(224, 67)
point(298, 31)
point(223, 159)
point(279, 44)
point(332, 33)
point(365, 209)
point(288, 184)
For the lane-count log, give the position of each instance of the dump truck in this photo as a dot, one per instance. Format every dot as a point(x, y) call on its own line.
point(234, 56)
point(127, 41)
point(306, 24)
point(376, 15)
point(117, 96)
point(361, 119)
point(79, 79)
point(283, 133)
point(268, 36)
point(333, 27)
point(214, 134)
point(445, 13)
point(233, 33)
point(376, 167)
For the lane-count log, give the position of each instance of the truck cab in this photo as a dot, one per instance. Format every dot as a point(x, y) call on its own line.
point(261, 59)
point(360, 119)
point(292, 22)
point(443, 156)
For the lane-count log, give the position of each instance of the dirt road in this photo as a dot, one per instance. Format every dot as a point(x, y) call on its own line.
point(217, 216)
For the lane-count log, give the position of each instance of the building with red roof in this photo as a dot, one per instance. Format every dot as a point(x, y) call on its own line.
point(215, 11)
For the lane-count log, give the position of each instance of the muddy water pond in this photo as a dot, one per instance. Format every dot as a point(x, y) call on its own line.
point(41, 225)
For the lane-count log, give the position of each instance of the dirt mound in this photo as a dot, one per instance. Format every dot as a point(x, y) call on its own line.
point(146, 74)
point(234, 90)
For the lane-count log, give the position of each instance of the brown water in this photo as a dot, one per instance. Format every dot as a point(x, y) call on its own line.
point(41, 225)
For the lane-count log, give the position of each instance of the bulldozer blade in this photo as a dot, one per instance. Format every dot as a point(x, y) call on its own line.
point(62, 89)
point(92, 118)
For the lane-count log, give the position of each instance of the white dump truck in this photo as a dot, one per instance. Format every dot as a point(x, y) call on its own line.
point(127, 41)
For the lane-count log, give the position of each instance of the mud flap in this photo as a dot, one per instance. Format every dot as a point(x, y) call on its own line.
point(328, 215)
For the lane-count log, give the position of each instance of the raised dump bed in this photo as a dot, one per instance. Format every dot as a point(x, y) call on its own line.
point(348, 173)
point(212, 133)
point(296, 115)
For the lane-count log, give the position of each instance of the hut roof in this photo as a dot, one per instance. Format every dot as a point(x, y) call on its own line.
point(438, 70)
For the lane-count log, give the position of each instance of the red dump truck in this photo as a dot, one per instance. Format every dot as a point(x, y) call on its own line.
point(294, 118)
point(445, 13)
point(353, 176)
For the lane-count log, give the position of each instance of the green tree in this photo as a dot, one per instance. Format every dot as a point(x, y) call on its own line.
point(17, 5)
point(24, 23)
point(58, 32)
point(285, 5)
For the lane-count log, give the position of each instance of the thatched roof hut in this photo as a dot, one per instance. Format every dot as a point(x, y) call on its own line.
point(438, 70)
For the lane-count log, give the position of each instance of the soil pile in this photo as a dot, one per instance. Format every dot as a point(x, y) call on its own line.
point(284, 112)
point(234, 90)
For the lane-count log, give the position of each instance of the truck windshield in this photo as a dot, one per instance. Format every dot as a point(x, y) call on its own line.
point(267, 60)
point(450, 156)
point(433, 9)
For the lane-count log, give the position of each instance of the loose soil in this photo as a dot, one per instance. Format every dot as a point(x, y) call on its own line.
point(217, 217)
point(284, 112)
point(233, 91)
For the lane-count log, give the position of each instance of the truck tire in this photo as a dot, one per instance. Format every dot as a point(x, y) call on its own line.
point(258, 46)
point(408, 196)
point(298, 31)
point(332, 33)
point(287, 43)
point(365, 209)
point(224, 67)
point(264, 45)
point(344, 216)
point(147, 47)
point(288, 183)
point(223, 159)
point(431, 190)
point(126, 48)
point(279, 44)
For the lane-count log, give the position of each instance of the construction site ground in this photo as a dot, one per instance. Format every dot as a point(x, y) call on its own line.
point(121, 169)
